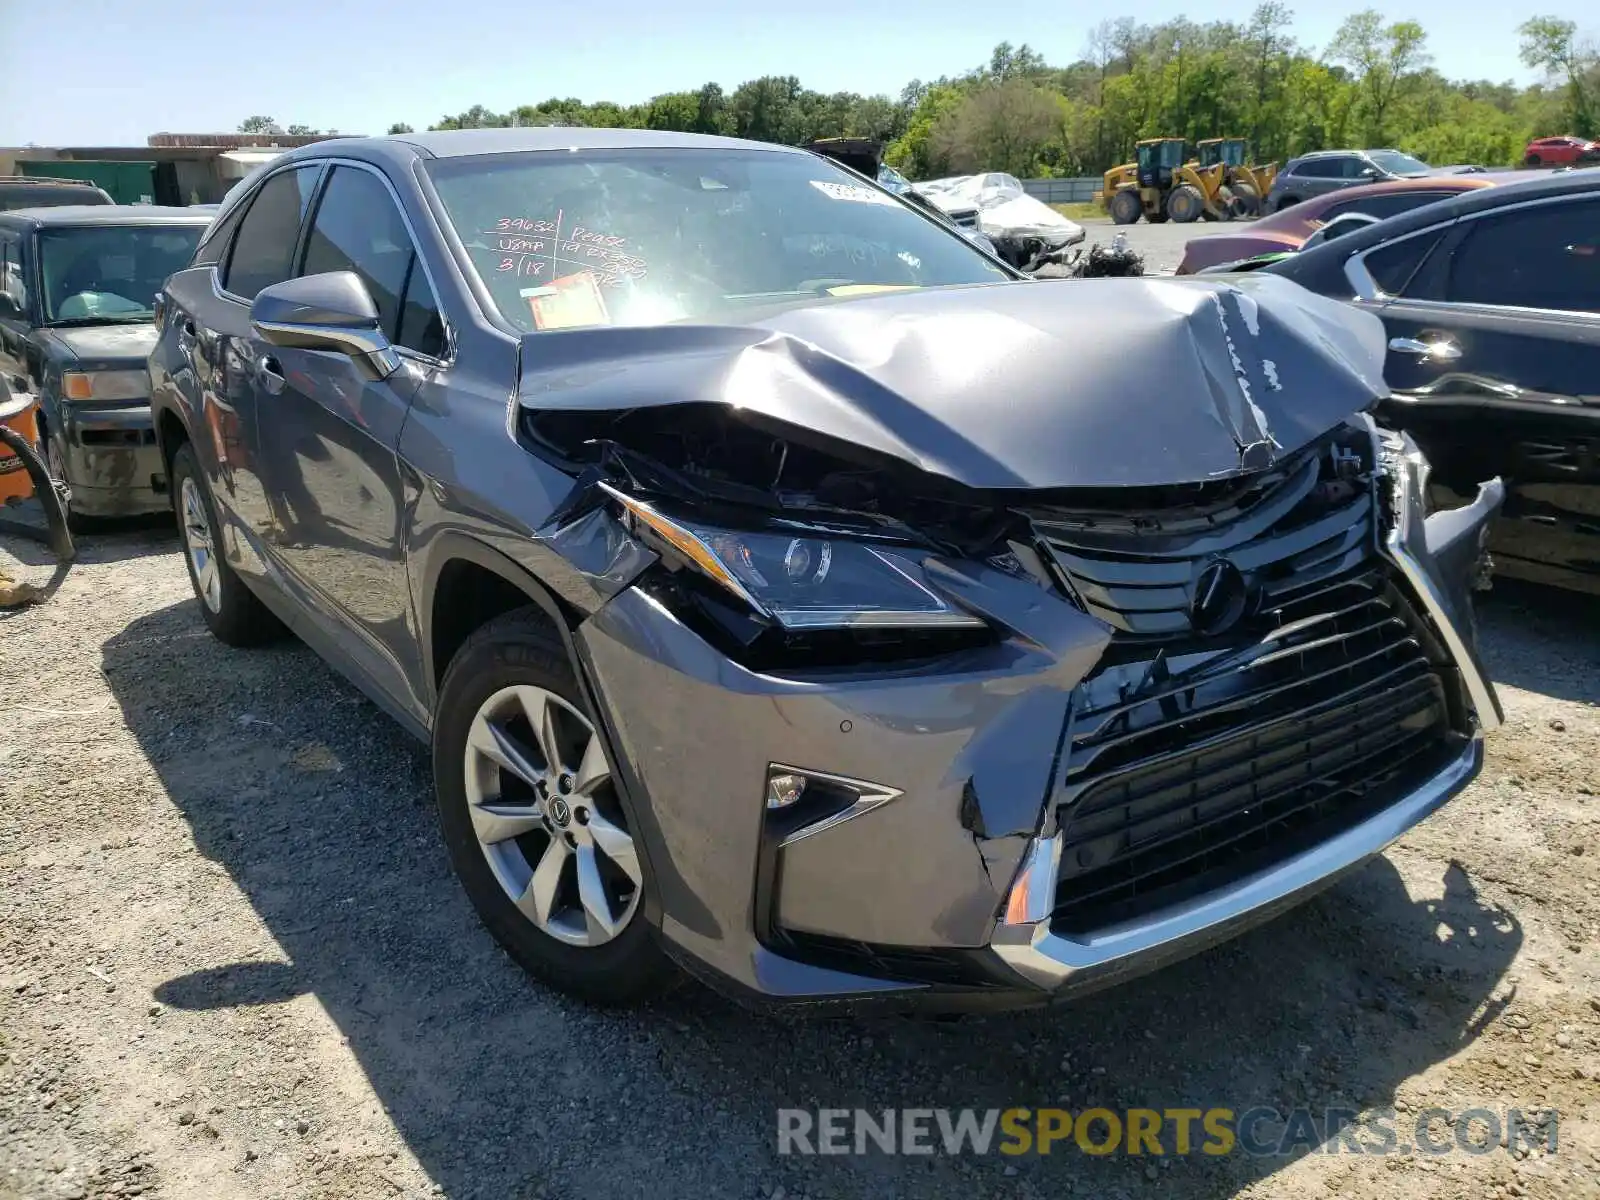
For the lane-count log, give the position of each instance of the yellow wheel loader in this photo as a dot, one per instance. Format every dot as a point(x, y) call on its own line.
point(1159, 185)
point(1248, 184)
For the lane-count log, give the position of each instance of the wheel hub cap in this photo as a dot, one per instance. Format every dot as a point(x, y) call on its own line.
point(198, 543)
point(546, 815)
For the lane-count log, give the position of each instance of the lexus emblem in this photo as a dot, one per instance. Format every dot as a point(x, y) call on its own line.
point(1220, 598)
point(560, 811)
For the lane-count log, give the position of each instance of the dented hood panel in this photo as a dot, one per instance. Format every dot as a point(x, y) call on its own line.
point(1095, 383)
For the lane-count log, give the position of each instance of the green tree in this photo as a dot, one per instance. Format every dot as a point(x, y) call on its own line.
point(1551, 44)
point(1385, 59)
point(1000, 127)
point(259, 125)
point(400, 127)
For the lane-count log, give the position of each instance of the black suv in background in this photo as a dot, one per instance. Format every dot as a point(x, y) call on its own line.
point(1491, 303)
point(1324, 171)
point(77, 290)
point(28, 191)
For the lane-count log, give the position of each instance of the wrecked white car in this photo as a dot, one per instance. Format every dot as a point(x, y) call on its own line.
point(1026, 232)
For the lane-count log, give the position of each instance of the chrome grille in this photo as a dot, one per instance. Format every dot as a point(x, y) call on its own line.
point(1309, 521)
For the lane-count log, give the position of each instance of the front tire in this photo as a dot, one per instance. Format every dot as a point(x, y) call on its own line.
point(1125, 208)
point(1533, 160)
point(229, 608)
point(1185, 204)
point(533, 821)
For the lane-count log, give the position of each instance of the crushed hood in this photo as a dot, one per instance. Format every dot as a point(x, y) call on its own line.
point(1090, 383)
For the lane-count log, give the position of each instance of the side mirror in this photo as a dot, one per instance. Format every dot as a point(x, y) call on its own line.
point(333, 311)
point(1370, 172)
point(9, 308)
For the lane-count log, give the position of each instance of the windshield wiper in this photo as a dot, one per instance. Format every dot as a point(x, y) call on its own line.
point(119, 319)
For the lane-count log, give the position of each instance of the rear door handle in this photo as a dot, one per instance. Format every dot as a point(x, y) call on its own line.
point(270, 375)
point(1440, 350)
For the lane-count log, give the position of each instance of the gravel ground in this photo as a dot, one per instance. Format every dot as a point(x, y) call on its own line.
point(1161, 245)
point(233, 963)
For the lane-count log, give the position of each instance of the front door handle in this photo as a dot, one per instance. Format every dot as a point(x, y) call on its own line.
point(270, 375)
point(1440, 350)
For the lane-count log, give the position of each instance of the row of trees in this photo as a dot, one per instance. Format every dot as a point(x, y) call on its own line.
point(1375, 85)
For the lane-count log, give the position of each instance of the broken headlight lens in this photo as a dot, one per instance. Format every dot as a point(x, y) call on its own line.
point(805, 581)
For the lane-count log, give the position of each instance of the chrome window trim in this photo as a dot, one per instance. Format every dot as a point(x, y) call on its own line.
point(1367, 289)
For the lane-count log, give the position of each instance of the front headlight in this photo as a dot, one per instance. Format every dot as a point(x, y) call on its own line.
point(804, 581)
point(105, 385)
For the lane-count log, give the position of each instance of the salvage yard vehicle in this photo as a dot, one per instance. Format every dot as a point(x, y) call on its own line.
point(793, 593)
point(1026, 232)
point(1560, 152)
point(1287, 229)
point(35, 191)
point(76, 290)
point(1324, 171)
point(1491, 302)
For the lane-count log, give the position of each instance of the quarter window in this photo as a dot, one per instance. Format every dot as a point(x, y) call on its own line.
point(358, 228)
point(1546, 256)
point(1392, 266)
point(263, 253)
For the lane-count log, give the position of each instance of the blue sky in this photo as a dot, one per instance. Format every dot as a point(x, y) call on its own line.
point(113, 71)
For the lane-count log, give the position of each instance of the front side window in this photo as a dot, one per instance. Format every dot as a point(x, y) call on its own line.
point(263, 251)
point(636, 237)
point(110, 273)
point(1546, 256)
point(1396, 163)
point(358, 228)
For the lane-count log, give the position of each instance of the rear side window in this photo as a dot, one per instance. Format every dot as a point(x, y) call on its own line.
point(359, 228)
point(263, 251)
point(1319, 168)
point(13, 282)
point(1547, 256)
point(1384, 206)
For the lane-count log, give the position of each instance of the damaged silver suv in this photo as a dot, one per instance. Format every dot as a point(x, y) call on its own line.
point(793, 594)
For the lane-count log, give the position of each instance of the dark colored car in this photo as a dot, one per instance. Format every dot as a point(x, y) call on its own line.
point(1560, 152)
point(1288, 228)
point(1324, 171)
point(788, 589)
point(77, 286)
point(1492, 306)
point(31, 191)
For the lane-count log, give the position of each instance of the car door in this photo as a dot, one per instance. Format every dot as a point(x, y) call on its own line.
point(329, 434)
point(211, 359)
point(1495, 364)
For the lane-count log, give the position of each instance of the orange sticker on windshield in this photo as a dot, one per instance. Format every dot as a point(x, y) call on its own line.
point(571, 302)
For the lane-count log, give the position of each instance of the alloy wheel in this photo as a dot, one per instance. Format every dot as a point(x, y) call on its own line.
point(201, 546)
point(545, 813)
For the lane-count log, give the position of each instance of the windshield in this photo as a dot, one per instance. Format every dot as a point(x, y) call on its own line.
point(1396, 163)
point(640, 237)
point(110, 272)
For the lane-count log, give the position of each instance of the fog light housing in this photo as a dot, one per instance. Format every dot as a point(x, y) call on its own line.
point(784, 788)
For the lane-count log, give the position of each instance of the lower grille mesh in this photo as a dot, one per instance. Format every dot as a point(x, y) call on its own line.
point(1184, 770)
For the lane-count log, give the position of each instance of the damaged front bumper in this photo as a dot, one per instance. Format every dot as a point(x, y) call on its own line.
point(960, 840)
